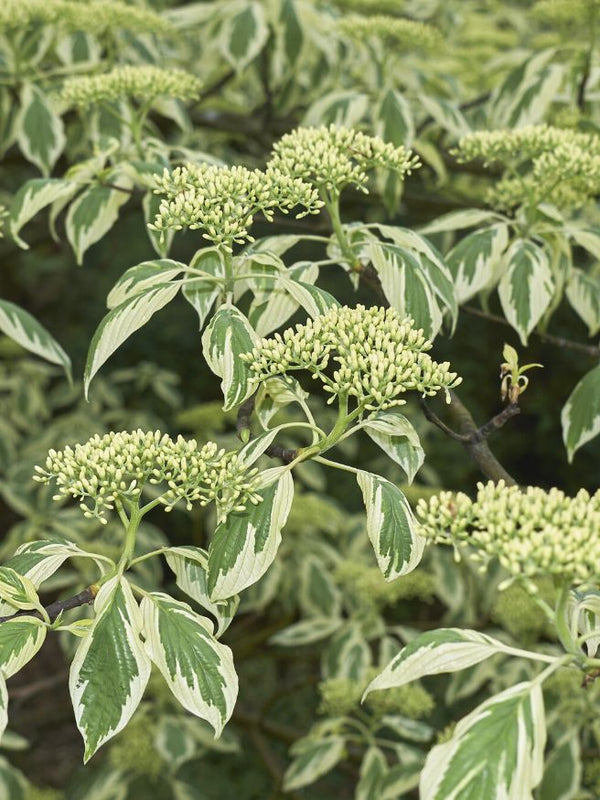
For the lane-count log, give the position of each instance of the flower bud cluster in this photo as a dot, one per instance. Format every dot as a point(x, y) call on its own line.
point(332, 157)
point(223, 200)
point(145, 82)
point(93, 16)
point(342, 696)
point(566, 12)
point(116, 466)
point(374, 354)
point(366, 7)
point(556, 165)
point(531, 532)
point(397, 33)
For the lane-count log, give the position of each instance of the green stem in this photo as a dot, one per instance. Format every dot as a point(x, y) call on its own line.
point(229, 274)
point(332, 204)
point(135, 517)
point(562, 626)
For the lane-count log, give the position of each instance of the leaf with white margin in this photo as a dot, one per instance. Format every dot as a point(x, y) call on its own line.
point(32, 197)
point(563, 769)
point(391, 526)
point(307, 631)
point(587, 238)
point(273, 303)
point(190, 565)
point(94, 213)
point(243, 34)
point(13, 784)
point(201, 292)
point(17, 590)
point(372, 771)
point(40, 131)
point(474, 261)
point(312, 759)
point(583, 294)
point(111, 668)
point(459, 220)
point(24, 329)
point(20, 640)
point(397, 438)
point(118, 325)
point(318, 596)
point(174, 741)
point(197, 668)
point(580, 416)
point(394, 120)
point(40, 559)
point(448, 115)
point(246, 543)
point(496, 751)
point(314, 301)
point(143, 276)
point(442, 650)
point(227, 336)
point(526, 287)
point(342, 108)
point(347, 654)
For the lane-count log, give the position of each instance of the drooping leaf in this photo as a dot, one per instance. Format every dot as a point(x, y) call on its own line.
point(391, 526)
point(118, 325)
point(398, 439)
point(347, 654)
point(319, 596)
point(580, 416)
point(563, 769)
point(190, 565)
point(459, 220)
point(136, 280)
point(94, 213)
point(343, 108)
point(394, 120)
point(40, 131)
point(245, 544)
point(39, 560)
point(243, 35)
point(447, 115)
point(110, 669)
point(526, 287)
point(228, 335)
point(17, 590)
point(372, 771)
point(201, 292)
point(526, 92)
point(18, 324)
point(509, 729)
point(475, 260)
point(312, 759)
point(197, 668)
point(32, 197)
point(583, 293)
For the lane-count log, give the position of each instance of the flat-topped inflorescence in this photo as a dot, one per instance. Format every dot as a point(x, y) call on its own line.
point(374, 355)
point(332, 157)
point(116, 467)
point(401, 33)
point(531, 532)
point(94, 16)
point(145, 83)
point(556, 165)
point(222, 201)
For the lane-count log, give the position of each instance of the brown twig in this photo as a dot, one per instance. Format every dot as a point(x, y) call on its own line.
point(54, 609)
point(588, 349)
point(244, 432)
point(216, 87)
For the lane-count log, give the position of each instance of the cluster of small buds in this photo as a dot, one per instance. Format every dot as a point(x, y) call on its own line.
point(333, 157)
point(145, 82)
point(341, 696)
point(531, 532)
point(399, 33)
point(378, 356)
point(368, 587)
point(94, 16)
point(116, 466)
point(223, 200)
point(557, 165)
point(369, 6)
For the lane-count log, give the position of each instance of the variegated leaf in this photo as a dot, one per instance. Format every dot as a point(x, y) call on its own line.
point(20, 640)
point(459, 220)
point(343, 108)
point(580, 416)
point(111, 668)
point(19, 325)
point(347, 654)
point(435, 652)
point(228, 335)
point(372, 771)
point(588, 238)
point(391, 526)
point(526, 287)
point(274, 304)
point(319, 596)
point(94, 213)
point(13, 784)
point(197, 668)
point(243, 34)
point(201, 292)
point(394, 120)
point(246, 543)
point(40, 131)
point(307, 631)
point(190, 565)
point(17, 590)
point(312, 299)
point(118, 325)
point(510, 729)
point(3, 709)
point(475, 260)
point(398, 439)
point(142, 277)
point(447, 115)
point(583, 293)
point(526, 92)
point(39, 560)
point(32, 197)
point(312, 759)
point(563, 769)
